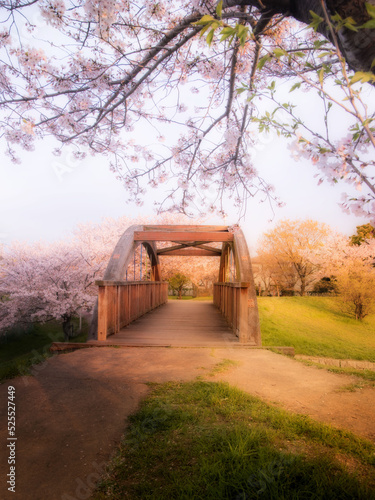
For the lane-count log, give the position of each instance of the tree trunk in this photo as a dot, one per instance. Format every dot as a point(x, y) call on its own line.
point(359, 315)
point(67, 328)
point(358, 48)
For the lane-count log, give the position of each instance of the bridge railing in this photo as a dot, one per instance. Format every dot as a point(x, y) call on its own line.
point(236, 305)
point(121, 302)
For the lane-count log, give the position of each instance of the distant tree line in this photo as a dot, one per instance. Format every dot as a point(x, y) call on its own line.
point(304, 256)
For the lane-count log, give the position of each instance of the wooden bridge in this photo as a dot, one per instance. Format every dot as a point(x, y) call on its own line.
point(122, 302)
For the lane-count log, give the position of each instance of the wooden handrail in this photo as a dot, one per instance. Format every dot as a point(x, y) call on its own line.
point(235, 302)
point(121, 302)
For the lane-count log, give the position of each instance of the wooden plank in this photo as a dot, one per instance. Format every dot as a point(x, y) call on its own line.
point(195, 244)
point(184, 227)
point(161, 251)
point(211, 249)
point(193, 252)
point(182, 236)
point(116, 342)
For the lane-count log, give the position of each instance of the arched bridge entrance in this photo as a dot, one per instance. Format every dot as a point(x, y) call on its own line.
point(122, 300)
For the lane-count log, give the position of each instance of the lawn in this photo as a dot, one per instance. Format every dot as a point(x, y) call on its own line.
point(18, 352)
point(204, 440)
point(316, 326)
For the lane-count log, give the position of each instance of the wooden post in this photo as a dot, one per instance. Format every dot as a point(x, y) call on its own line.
point(102, 313)
point(254, 335)
point(243, 317)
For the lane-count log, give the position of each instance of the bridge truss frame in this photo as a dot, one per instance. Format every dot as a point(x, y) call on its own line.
point(121, 302)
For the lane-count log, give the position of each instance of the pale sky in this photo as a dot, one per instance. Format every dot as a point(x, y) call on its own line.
point(45, 197)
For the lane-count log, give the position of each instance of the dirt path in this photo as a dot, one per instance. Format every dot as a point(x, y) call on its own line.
point(72, 412)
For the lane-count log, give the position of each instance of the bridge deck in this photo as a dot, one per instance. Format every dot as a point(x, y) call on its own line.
point(177, 323)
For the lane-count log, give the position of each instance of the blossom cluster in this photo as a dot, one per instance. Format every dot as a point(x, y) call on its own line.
point(96, 73)
point(41, 281)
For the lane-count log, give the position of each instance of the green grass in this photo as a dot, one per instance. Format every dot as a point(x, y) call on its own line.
point(203, 440)
point(315, 326)
point(223, 366)
point(368, 375)
point(21, 350)
point(184, 297)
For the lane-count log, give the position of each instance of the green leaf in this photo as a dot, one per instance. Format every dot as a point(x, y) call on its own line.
point(371, 10)
point(263, 60)
point(205, 20)
point(295, 86)
point(219, 8)
point(316, 20)
point(324, 54)
point(225, 36)
point(361, 76)
point(240, 29)
point(205, 28)
point(369, 25)
point(319, 44)
point(210, 37)
point(227, 30)
point(242, 33)
point(350, 24)
point(272, 85)
point(321, 76)
point(279, 52)
point(243, 39)
point(300, 54)
point(337, 18)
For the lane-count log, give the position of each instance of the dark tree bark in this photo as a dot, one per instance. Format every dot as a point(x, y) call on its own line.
point(67, 327)
point(358, 48)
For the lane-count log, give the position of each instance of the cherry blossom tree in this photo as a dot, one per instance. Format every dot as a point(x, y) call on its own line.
point(340, 251)
point(274, 274)
point(43, 282)
point(294, 249)
point(356, 287)
point(137, 82)
point(305, 251)
point(352, 266)
point(356, 46)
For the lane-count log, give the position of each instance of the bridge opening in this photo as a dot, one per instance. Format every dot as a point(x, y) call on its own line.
point(133, 284)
